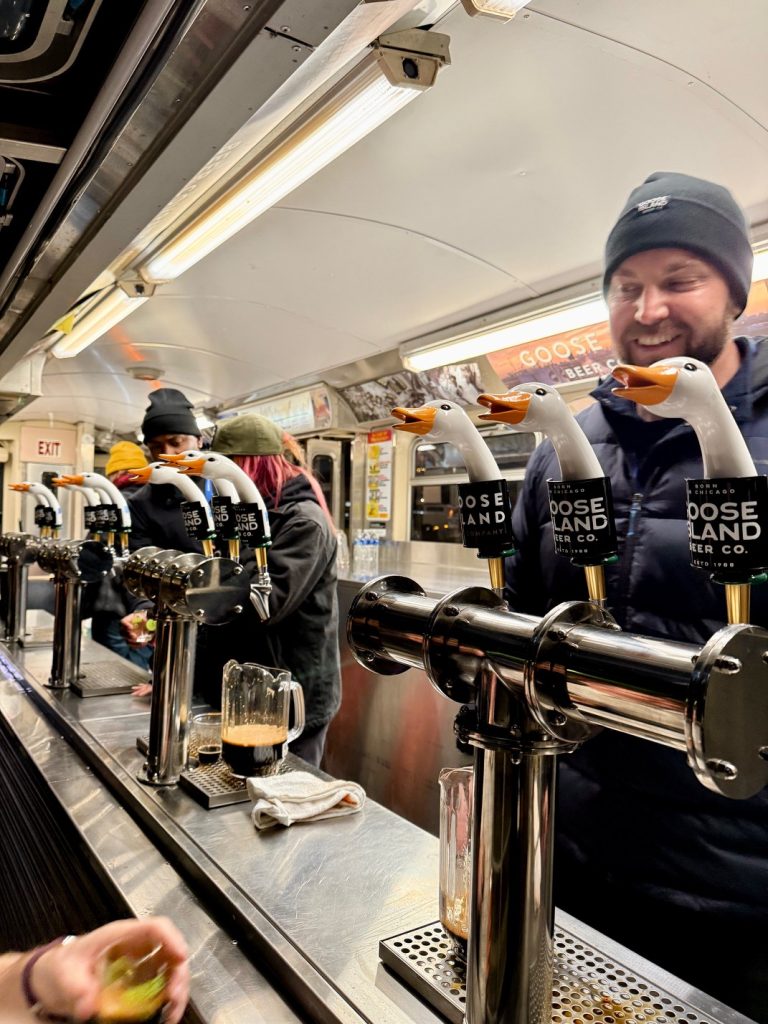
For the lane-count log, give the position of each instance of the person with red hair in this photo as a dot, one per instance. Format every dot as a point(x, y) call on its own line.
point(301, 634)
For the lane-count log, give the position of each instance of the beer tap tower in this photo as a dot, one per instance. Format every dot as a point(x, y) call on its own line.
point(188, 589)
point(728, 508)
point(245, 520)
point(542, 686)
point(73, 563)
point(115, 512)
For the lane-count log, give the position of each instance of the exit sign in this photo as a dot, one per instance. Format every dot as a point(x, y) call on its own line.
point(53, 446)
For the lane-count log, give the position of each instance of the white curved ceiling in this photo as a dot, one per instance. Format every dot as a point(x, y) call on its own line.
point(498, 185)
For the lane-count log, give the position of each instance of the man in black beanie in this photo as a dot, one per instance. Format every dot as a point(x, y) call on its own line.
point(169, 427)
point(645, 853)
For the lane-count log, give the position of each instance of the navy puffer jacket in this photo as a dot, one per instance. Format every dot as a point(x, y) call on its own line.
point(631, 812)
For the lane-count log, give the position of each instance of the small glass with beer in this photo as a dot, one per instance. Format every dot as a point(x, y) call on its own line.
point(456, 853)
point(255, 709)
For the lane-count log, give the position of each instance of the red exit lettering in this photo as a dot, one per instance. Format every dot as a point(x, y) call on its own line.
point(49, 449)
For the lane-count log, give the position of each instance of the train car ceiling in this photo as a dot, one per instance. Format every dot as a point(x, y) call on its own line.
point(491, 193)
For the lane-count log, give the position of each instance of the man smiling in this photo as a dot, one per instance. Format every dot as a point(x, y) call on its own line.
point(644, 852)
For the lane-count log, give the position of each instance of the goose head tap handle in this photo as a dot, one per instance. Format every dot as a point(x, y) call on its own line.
point(728, 508)
point(485, 508)
point(580, 503)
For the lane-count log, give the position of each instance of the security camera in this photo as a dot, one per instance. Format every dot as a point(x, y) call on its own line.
point(413, 57)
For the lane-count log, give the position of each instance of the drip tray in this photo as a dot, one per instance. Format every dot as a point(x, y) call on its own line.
point(213, 785)
point(106, 678)
point(587, 986)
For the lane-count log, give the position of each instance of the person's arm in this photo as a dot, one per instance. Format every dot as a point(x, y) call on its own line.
point(296, 561)
point(65, 980)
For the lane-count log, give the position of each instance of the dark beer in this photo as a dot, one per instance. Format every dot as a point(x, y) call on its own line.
point(209, 753)
point(253, 749)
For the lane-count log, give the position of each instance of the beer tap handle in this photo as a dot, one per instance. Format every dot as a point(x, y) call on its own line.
point(485, 509)
point(580, 502)
point(198, 520)
point(728, 507)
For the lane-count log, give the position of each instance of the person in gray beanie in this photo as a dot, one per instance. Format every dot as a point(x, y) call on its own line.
point(645, 853)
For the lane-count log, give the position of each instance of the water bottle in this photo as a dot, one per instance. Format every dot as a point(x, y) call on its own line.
point(373, 567)
point(358, 554)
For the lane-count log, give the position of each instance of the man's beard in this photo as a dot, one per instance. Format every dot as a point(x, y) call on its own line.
point(706, 345)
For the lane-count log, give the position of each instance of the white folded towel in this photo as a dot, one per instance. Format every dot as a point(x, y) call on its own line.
point(299, 796)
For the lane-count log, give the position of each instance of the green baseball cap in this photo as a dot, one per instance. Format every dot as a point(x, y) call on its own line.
point(249, 434)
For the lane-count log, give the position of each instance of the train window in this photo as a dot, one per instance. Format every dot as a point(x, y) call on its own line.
point(510, 450)
point(434, 510)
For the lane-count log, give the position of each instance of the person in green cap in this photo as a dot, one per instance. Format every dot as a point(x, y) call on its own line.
point(301, 634)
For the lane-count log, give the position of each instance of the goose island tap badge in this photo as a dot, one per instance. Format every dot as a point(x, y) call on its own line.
point(485, 511)
point(727, 525)
point(582, 520)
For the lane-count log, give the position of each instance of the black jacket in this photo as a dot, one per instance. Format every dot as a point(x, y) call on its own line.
point(301, 634)
point(631, 814)
point(156, 519)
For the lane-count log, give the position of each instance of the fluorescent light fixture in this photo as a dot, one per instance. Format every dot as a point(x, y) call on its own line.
point(504, 10)
point(95, 322)
point(457, 350)
point(760, 268)
point(361, 103)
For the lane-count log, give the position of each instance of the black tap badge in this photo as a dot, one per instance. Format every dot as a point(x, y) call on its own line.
point(40, 515)
point(195, 520)
point(728, 526)
point(251, 527)
point(224, 518)
point(582, 520)
point(49, 516)
point(90, 516)
point(485, 513)
point(114, 519)
point(102, 518)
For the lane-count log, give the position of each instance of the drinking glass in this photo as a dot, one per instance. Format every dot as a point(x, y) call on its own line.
point(255, 707)
point(455, 862)
point(205, 737)
point(132, 985)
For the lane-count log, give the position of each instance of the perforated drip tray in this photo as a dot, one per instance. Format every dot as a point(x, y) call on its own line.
point(213, 785)
point(106, 678)
point(588, 987)
point(38, 636)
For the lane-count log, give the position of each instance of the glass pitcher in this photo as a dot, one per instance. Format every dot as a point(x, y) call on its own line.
point(255, 707)
point(456, 853)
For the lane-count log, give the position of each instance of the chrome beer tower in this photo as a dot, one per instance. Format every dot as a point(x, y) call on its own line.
point(540, 687)
point(19, 550)
point(73, 563)
point(187, 589)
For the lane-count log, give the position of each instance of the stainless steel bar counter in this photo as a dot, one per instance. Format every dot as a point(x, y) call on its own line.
point(309, 904)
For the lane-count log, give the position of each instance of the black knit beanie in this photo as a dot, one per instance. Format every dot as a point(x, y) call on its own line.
point(676, 211)
point(168, 412)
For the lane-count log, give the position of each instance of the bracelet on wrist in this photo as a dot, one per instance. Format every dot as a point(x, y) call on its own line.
point(33, 1002)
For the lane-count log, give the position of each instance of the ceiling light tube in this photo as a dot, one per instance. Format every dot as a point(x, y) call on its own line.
point(362, 102)
point(93, 324)
point(503, 10)
point(506, 335)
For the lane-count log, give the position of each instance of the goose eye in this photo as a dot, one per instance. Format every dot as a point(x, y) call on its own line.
point(446, 407)
point(540, 391)
point(690, 366)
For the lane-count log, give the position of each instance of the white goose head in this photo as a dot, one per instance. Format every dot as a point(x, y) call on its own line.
point(684, 388)
point(447, 421)
point(541, 407)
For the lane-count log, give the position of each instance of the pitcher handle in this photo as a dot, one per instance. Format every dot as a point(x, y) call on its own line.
point(297, 695)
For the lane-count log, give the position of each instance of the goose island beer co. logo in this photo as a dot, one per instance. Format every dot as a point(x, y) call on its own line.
point(224, 517)
point(195, 520)
point(727, 520)
point(485, 511)
point(582, 520)
point(250, 523)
